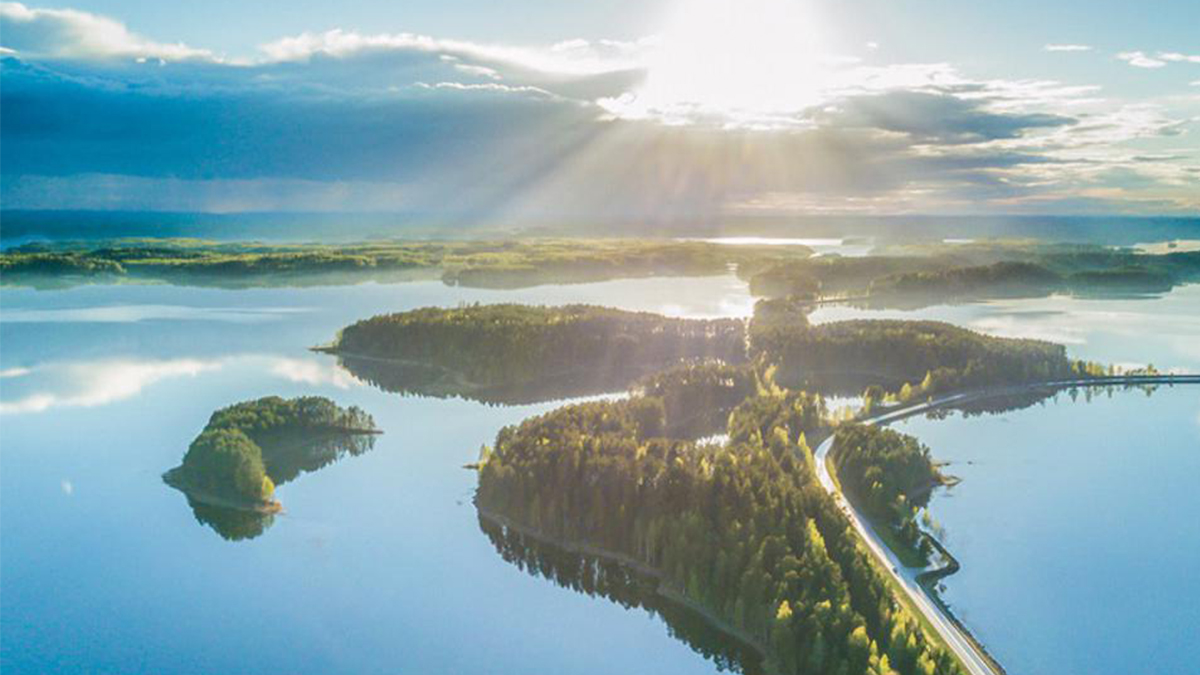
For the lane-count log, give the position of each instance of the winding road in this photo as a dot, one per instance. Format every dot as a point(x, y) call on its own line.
point(972, 657)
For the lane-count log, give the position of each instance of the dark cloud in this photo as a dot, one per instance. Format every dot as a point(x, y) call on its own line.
point(936, 118)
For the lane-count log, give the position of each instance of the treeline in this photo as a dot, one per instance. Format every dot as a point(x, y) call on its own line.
point(889, 475)
point(619, 583)
point(247, 449)
point(921, 274)
point(909, 358)
point(498, 345)
point(743, 530)
point(488, 264)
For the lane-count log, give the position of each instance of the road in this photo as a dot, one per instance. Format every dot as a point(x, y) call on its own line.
point(962, 645)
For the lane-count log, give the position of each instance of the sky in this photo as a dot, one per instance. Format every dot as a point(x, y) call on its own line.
point(612, 109)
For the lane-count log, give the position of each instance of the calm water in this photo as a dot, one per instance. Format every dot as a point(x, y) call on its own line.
point(1078, 528)
point(379, 564)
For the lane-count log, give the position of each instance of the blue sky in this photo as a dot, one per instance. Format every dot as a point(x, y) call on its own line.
point(613, 108)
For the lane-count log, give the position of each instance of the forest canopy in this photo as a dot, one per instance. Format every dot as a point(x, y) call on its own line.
point(247, 449)
point(498, 345)
point(742, 530)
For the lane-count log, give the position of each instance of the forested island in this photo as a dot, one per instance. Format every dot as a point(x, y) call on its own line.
point(910, 359)
point(479, 264)
point(231, 470)
point(919, 275)
point(486, 350)
point(740, 531)
point(902, 276)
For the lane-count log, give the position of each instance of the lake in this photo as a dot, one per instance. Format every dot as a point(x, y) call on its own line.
point(1078, 529)
point(379, 563)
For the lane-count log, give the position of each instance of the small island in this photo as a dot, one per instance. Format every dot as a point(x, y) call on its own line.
point(247, 449)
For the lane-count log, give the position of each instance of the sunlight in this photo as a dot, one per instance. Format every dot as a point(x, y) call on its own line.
point(746, 60)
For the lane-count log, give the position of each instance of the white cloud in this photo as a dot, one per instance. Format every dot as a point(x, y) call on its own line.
point(312, 372)
point(486, 86)
point(1141, 60)
point(94, 383)
point(67, 487)
point(574, 57)
point(1179, 58)
point(69, 33)
point(1067, 48)
point(1158, 60)
point(86, 384)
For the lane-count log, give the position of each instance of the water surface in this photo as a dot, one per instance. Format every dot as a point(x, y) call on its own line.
point(1078, 528)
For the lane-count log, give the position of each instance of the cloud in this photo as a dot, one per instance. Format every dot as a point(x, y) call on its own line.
point(312, 372)
point(930, 117)
point(1179, 58)
point(69, 33)
point(1158, 60)
point(1141, 60)
point(89, 384)
point(465, 131)
point(1067, 48)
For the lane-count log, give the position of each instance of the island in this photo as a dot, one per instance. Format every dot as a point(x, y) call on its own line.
point(230, 471)
point(518, 353)
point(914, 276)
point(480, 264)
point(740, 531)
point(906, 359)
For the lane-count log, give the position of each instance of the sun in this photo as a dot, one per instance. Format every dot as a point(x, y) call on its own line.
point(736, 58)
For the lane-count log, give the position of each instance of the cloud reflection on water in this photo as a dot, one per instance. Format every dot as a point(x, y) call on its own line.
point(88, 384)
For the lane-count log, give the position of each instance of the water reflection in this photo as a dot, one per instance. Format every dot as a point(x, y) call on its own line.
point(416, 379)
point(593, 576)
point(86, 384)
point(90, 383)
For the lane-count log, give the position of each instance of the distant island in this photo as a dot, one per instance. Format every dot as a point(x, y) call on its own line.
point(919, 275)
point(478, 264)
point(248, 449)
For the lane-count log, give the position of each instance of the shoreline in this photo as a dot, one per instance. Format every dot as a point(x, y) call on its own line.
point(924, 581)
point(203, 496)
point(664, 588)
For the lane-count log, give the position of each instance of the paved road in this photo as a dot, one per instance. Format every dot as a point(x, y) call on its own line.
point(970, 655)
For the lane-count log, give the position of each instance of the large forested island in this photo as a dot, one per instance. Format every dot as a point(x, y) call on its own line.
point(741, 531)
point(481, 348)
point(247, 449)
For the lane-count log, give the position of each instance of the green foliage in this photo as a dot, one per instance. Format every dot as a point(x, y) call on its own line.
point(697, 397)
point(490, 264)
point(248, 448)
point(226, 461)
point(493, 345)
point(999, 279)
point(889, 474)
point(920, 357)
point(743, 529)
